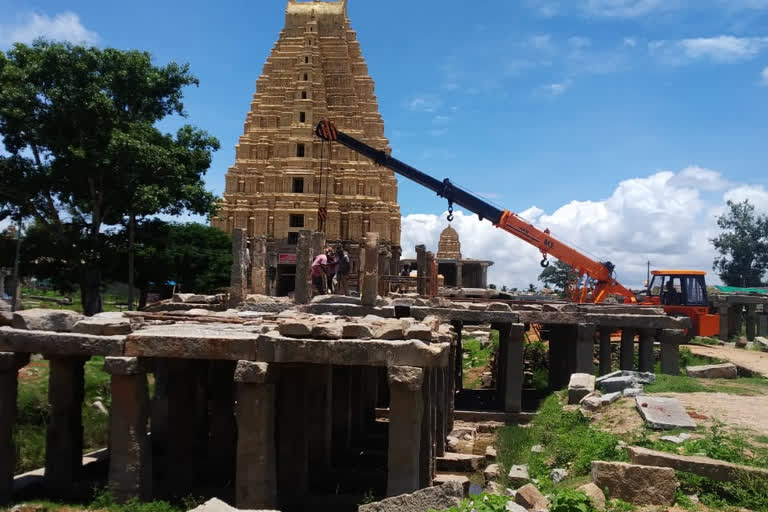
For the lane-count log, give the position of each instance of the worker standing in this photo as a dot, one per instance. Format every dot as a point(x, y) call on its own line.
point(342, 271)
point(319, 273)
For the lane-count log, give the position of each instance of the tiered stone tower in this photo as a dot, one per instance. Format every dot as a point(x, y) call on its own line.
point(283, 174)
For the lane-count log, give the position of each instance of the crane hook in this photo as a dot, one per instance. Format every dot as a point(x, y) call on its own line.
point(544, 263)
point(450, 211)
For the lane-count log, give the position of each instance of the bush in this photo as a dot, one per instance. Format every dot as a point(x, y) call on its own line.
point(570, 500)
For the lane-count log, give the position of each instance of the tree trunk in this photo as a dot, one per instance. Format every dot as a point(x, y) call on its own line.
point(131, 254)
point(90, 291)
point(16, 276)
point(143, 293)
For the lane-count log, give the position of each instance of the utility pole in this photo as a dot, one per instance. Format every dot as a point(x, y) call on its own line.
point(16, 281)
point(648, 276)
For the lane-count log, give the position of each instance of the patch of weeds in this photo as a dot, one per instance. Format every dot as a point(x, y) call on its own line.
point(688, 358)
point(762, 439)
point(747, 492)
point(476, 355)
point(570, 500)
point(541, 379)
point(619, 506)
point(105, 501)
point(481, 503)
point(702, 340)
point(684, 501)
point(675, 384)
point(568, 440)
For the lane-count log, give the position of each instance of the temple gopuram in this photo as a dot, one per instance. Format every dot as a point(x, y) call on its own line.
point(285, 179)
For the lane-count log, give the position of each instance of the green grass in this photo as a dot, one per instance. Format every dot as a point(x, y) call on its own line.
point(109, 302)
point(568, 440)
point(701, 340)
point(33, 413)
point(105, 502)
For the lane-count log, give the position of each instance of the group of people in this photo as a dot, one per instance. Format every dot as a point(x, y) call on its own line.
point(330, 271)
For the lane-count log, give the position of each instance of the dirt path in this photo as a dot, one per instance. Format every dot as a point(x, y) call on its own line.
point(751, 360)
point(741, 412)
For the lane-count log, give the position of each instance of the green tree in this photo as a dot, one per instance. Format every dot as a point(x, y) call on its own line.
point(743, 245)
point(196, 257)
point(492, 286)
point(558, 275)
point(84, 153)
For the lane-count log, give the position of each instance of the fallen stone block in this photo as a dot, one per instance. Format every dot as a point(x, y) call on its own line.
point(336, 299)
point(444, 478)
point(418, 332)
point(592, 401)
point(617, 384)
point(609, 398)
point(580, 385)
point(676, 439)
point(663, 413)
point(703, 466)
point(330, 331)
point(557, 475)
point(595, 495)
point(451, 443)
point(459, 462)
point(438, 498)
point(537, 448)
point(762, 343)
point(491, 472)
point(295, 329)
point(713, 371)
point(6, 317)
point(638, 485)
point(58, 320)
point(632, 392)
point(530, 498)
point(390, 331)
point(107, 324)
point(518, 475)
point(216, 505)
point(514, 507)
point(5, 307)
point(490, 454)
point(357, 331)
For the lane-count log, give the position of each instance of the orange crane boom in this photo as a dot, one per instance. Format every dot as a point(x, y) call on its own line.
point(600, 274)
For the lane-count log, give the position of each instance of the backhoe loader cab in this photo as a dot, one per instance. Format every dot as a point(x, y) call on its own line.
point(684, 293)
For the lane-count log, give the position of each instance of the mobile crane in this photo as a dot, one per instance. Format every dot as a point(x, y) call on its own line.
point(595, 276)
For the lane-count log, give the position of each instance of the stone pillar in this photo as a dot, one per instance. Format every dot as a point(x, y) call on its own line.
point(318, 243)
point(369, 275)
point(750, 319)
point(451, 376)
point(271, 269)
point(293, 438)
point(558, 355)
point(605, 350)
point(422, 272)
point(724, 322)
point(457, 357)
point(483, 275)
point(259, 265)
point(238, 275)
point(762, 323)
point(432, 282)
point(223, 428)
point(735, 313)
point(159, 418)
point(426, 452)
point(256, 481)
point(303, 267)
point(459, 276)
point(627, 349)
point(385, 259)
point(671, 339)
point(646, 349)
point(406, 409)
point(441, 375)
point(319, 416)
point(510, 387)
point(341, 435)
point(2, 283)
point(64, 439)
point(183, 449)
point(585, 342)
point(10, 363)
point(130, 450)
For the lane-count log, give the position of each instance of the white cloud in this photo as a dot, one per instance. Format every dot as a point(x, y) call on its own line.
point(65, 26)
point(624, 8)
point(719, 49)
point(667, 218)
point(425, 103)
point(764, 76)
point(556, 89)
point(579, 42)
point(630, 42)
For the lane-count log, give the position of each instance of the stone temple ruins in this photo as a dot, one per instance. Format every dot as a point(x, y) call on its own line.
point(284, 178)
point(306, 403)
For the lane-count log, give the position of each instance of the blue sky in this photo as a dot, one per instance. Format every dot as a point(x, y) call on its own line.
point(574, 112)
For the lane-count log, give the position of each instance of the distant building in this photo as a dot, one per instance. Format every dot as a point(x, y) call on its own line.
point(285, 179)
point(456, 271)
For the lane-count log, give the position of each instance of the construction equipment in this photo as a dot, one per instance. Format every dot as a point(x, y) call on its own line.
point(596, 279)
point(683, 293)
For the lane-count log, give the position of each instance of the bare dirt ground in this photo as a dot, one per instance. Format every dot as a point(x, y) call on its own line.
point(750, 359)
point(739, 412)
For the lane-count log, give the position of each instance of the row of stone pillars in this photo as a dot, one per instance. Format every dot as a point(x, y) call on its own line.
point(276, 431)
point(571, 350)
point(733, 315)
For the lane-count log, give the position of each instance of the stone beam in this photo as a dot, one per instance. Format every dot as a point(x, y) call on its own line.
point(59, 344)
point(638, 321)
